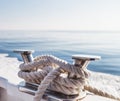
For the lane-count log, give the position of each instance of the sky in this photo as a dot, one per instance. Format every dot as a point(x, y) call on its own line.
point(60, 15)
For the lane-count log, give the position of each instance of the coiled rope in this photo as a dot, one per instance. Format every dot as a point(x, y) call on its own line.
point(46, 71)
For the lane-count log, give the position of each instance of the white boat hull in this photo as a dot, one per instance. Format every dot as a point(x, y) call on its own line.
point(10, 92)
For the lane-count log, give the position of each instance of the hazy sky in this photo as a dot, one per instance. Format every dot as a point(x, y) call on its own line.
point(60, 14)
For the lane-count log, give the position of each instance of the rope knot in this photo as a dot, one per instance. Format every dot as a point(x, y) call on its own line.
point(54, 74)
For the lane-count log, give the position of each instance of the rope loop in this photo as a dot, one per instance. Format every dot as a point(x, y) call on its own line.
point(54, 74)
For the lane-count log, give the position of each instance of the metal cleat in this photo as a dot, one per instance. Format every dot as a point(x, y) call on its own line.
point(26, 55)
point(83, 60)
point(31, 88)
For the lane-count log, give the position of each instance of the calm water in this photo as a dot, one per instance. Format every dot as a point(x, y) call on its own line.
point(64, 44)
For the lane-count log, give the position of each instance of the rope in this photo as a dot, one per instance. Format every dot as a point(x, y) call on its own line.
point(45, 83)
point(57, 75)
point(100, 92)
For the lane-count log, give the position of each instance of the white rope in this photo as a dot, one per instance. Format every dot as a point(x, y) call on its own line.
point(48, 76)
point(45, 83)
point(100, 92)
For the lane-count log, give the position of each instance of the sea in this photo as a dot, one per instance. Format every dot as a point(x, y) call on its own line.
point(64, 44)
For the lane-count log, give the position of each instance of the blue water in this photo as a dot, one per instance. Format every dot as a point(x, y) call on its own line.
point(64, 44)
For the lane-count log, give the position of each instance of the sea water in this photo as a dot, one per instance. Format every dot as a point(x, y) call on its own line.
point(64, 44)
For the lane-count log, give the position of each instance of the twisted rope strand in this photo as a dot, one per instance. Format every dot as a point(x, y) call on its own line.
point(45, 83)
point(100, 92)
